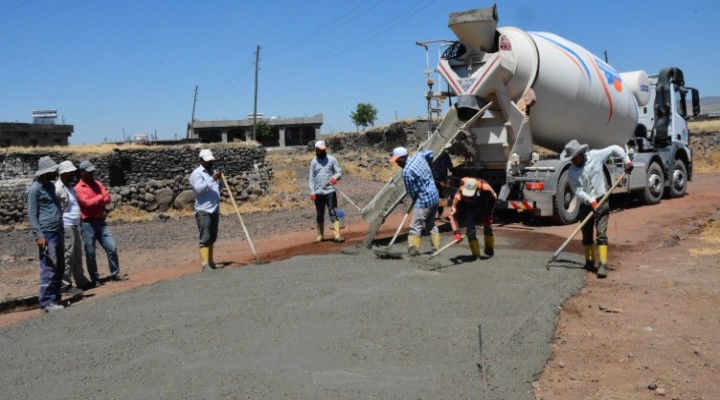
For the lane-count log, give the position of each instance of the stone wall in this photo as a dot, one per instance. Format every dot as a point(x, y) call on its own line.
point(409, 134)
point(148, 178)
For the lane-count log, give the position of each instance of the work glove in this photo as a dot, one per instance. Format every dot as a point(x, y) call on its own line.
point(488, 220)
point(629, 167)
point(594, 205)
point(313, 197)
point(333, 180)
point(457, 235)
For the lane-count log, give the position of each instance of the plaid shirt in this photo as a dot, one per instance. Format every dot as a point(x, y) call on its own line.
point(321, 170)
point(419, 180)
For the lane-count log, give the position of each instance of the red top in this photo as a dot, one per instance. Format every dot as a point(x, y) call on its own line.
point(92, 198)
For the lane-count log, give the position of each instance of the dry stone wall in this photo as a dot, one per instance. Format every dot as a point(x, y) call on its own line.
point(148, 178)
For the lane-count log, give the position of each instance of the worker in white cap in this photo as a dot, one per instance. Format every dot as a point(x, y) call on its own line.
point(587, 177)
point(472, 203)
point(421, 188)
point(205, 183)
point(325, 172)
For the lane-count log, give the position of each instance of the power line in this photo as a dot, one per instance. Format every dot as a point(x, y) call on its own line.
point(16, 7)
point(32, 21)
point(362, 38)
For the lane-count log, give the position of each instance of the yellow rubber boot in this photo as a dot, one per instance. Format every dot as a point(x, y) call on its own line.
point(589, 258)
point(489, 245)
point(336, 231)
point(435, 239)
point(205, 257)
point(414, 245)
point(475, 248)
point(602, 255)
point(211, 260)
point(319, 237)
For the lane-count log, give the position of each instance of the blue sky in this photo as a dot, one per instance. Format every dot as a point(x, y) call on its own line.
point(132, 65)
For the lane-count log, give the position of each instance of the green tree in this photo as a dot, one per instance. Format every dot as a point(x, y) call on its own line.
point(263, 130)
point(364, 115)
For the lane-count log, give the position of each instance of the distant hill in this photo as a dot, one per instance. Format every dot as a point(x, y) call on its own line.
point(710, 104)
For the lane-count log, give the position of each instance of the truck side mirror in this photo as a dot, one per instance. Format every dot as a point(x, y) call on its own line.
point(695, 102)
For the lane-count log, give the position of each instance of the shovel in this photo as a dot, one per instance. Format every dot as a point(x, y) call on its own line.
point(347, 198)
point(453, 243)
point(247, 235)
point(386, 252)
point(584, 221)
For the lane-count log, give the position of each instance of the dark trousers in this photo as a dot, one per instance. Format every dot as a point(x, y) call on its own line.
point(52, 267)
point(321, 202)
point(207, 224)
point(598, 222)
point(470, 220)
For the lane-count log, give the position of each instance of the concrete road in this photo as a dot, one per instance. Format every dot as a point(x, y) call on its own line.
point(328, 327)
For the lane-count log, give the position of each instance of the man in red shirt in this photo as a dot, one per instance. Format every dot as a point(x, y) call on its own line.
point(93, 198)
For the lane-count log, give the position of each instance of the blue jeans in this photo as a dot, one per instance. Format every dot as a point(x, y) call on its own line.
point(52, 267)
point(93, 230)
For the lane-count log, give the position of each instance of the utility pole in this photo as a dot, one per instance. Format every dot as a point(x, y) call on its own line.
point(194, 102)
point(257, 66)
point(190, 131)
point(606, 57)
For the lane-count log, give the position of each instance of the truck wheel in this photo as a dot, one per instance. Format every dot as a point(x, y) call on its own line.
point(678, 180)
point(654, 186)
point(565, 206)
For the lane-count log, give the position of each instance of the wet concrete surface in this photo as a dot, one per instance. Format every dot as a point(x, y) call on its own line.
point(342, 326)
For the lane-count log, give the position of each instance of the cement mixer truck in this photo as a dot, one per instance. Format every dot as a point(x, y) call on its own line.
point(521, 96)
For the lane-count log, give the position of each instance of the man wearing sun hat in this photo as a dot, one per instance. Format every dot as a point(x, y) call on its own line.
point(472, 203)
point(46, 224)
point(587, 177)
point(71, 224)
point(323, 176)
point(421, 188)
point(205, 182)
point(93, 197)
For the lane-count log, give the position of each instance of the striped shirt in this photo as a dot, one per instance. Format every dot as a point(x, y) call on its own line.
point(589, 179)
point(43, 209)
point(419, 180)
point(321, 170)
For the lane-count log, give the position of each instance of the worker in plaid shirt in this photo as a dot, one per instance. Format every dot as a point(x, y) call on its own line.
point(420, 186)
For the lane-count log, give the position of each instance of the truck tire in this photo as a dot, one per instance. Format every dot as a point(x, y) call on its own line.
point(565, 206)
point(678, 180)
point(654, 185)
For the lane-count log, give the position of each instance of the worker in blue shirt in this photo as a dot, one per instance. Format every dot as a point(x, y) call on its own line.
point(420, 186)
point(46, 224)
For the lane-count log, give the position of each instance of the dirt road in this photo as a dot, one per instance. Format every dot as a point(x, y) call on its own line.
point(653, 321)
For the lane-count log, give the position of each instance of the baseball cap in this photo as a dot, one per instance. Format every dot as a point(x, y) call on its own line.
point(397, 153)
point(66, 166)
point(320, 145)
point(469, 188)
point(206, 155)
point(87, 166)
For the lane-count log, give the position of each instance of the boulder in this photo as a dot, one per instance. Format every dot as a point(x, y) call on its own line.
point(164, 198)
point(186, 199)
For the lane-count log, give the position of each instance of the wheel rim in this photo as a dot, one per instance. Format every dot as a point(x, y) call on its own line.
point(678, 179)
point(655, 184)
